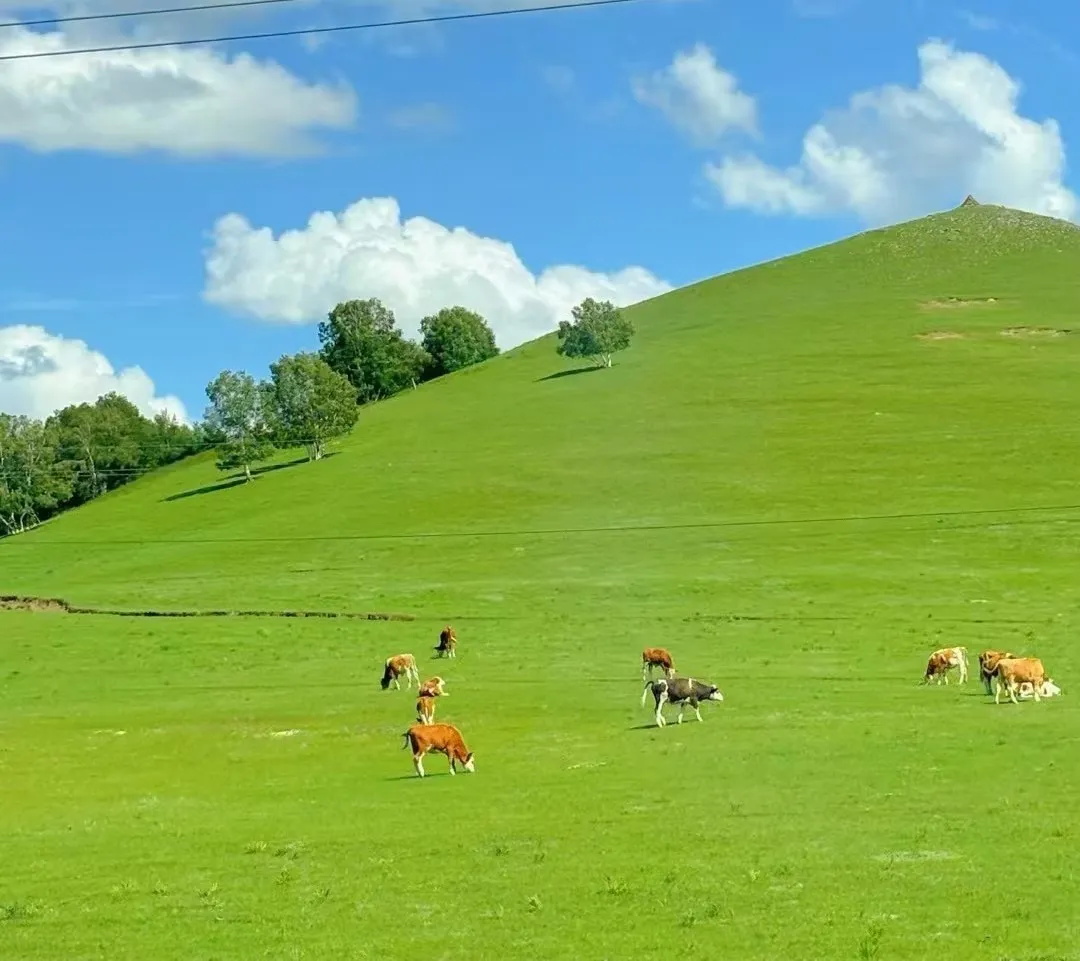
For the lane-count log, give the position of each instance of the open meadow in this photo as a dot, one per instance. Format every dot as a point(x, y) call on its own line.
point(801, 479)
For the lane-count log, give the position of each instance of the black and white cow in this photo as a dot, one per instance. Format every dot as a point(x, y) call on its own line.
point(681, 691)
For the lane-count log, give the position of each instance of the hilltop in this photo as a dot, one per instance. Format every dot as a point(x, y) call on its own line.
point(923, 367)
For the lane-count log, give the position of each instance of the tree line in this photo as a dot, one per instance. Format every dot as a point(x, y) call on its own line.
point(309, 399)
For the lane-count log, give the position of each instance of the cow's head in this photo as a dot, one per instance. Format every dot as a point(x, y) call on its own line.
point(1049, 688)
point(714, 694)
point(384, 681)
point(469, 763)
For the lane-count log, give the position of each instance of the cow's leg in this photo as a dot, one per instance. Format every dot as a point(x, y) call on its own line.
point(1011, 688)
point(661, 698)
point(1035, 691)
point(697, 709)
point(418, 763)
point(682, 707)
point(453, 766)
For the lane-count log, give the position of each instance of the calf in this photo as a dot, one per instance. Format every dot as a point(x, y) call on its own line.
point(447, 645)
point(656, 657)
point(1014, 671)
point(988, 662)
point(681, 691)
point(442, 739)
point(1026, 690)
point(938, 664)
point(425, 709)
point(433, 687)
point(395, 667)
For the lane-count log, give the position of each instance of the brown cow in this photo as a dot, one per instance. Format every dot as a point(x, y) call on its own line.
point(395, 667)
point(442, 739)
point(656, 657)
point(425, 709)
point(988, 662)
point(433, 687)
point(447, 645)
point(938, 664)
point(1014, 671)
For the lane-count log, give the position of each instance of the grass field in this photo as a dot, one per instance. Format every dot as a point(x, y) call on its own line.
point(801, 478)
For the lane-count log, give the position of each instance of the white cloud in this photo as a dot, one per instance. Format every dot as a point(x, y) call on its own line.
point(415, 267)
point(42, 372)
point(188, 101)
point(898, 152)
point(697, 96)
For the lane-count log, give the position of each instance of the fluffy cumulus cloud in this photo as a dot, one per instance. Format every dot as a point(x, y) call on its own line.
point(897, 152)
point(41, 372)
point(698, 96)
point(189, 101)
point(414, 266)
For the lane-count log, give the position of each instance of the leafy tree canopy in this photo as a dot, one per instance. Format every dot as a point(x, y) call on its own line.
point(312, 403)
point(239, 415)
point(598, 331)
point(454, 338)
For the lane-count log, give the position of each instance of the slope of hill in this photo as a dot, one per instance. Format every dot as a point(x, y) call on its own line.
point(890, 373)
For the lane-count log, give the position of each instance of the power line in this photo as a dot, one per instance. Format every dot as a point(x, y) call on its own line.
point(308, 31)
point(156, 11)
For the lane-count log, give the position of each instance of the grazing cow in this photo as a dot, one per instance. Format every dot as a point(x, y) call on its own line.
point(425, 709)
point(396, 666)
point(447, 646)
point(938, 664)
point(656, 657)
point(988, 662)
point(681, 691)
point(442, 739)
point(1014, 671)
point(433, 687)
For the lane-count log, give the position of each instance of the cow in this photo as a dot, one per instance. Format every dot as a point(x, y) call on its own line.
point(938, 664)
point(425, 709)
point(1026, 690)
point(442, 739)
point(988, 662)
point(1013, 671)
point(681, 691)
point(433, 687)
point(396, 666)
point(447, 646)
point(656, 657)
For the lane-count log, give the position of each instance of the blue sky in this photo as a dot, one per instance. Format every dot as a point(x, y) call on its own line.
point(677, 136)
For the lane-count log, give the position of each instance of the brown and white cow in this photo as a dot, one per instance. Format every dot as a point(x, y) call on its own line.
point(425, 709)
point(938, 664)
point(1013, 671)
point(440, 739)
point(447, 645)
point(395, 667)
point(433, 687)
point(988, 662)
point(656, 657)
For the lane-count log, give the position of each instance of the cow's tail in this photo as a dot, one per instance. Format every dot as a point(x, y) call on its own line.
point(406, 737)
point(648, 687)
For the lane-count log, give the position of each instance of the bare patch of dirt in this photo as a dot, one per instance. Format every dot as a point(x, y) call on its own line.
point(1034, 332)
point(12, 602)
point(940, 335)
point(957, 302)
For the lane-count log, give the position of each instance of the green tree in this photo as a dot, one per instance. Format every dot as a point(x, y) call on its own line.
point(456, 337)
point(361, 340)
point(33, 483)
point(312, 403)
point(599, 330)
point(167, 440)
point(239, 418)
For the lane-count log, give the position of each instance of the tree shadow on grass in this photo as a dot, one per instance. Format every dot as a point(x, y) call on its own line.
point(568, 373)
point(236, 480)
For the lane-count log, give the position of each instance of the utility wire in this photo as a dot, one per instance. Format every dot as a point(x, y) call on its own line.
point(156, 11)
point(308, 31)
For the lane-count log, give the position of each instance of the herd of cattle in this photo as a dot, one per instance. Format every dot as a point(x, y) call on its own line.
point(1023, 676)
point(1000, 671)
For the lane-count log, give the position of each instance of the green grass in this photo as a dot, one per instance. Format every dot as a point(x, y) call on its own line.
point(781, 481)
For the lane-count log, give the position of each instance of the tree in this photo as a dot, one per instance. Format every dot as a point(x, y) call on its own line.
point(456, 337)
point(239, 415)
point(361, 340)
point(33, 484)
point(312, 403)
point(599, 330)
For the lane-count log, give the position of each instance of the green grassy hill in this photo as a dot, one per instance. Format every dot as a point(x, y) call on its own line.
point(802, 477)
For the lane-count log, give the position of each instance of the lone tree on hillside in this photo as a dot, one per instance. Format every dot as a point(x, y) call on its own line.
point(599, 330)
point(238, 417)
point(456, 337)
point(311, 403)
point(361, 340)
